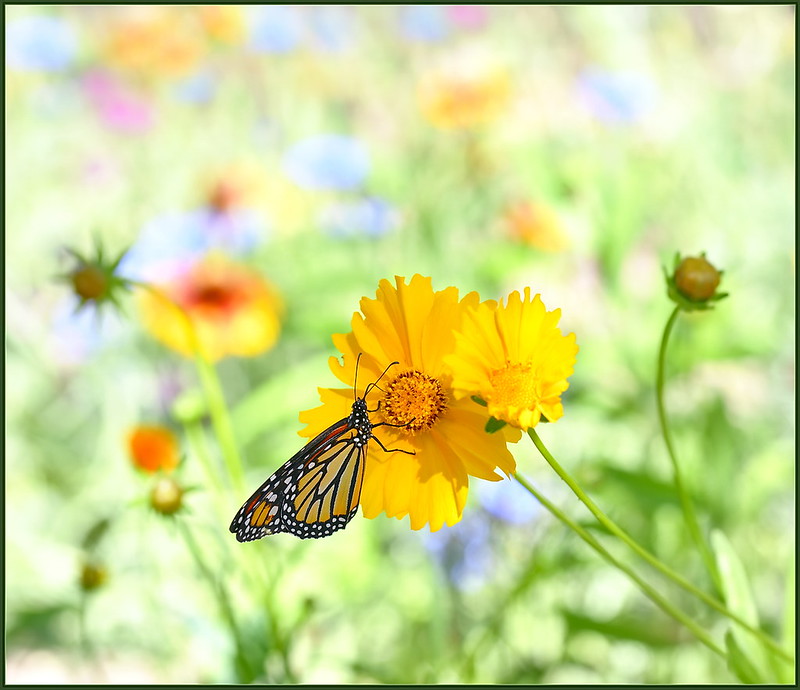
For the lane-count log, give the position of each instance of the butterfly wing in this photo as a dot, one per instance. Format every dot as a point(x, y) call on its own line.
point(326, 495)
point(313, 494)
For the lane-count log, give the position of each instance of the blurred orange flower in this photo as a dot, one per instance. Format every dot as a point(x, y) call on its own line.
point(536, 224)
point(229, 308)
point(153, 448)
point(154, 41)
point(464, 94)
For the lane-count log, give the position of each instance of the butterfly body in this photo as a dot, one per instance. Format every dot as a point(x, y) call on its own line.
point(317, 491)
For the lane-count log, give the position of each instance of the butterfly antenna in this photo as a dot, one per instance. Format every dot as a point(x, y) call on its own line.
point(374, 384)
point(355, 379)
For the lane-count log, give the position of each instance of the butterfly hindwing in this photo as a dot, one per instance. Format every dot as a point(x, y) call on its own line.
point(317, 491)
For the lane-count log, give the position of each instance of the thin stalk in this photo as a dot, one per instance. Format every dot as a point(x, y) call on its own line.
point(198, 443)
point(646, 555)
point(700, 633)
point(689, 514)
point(243, 667)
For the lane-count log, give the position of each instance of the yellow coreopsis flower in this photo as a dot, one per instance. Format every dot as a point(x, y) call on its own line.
point(464, 94)
point(513, 356)
point(414, 326)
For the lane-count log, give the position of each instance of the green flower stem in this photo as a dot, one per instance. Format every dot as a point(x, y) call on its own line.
point(699, 632)
point(686, 502)
point(198, 443)
point(220, 419)
point(678, 579)
point(242, 665)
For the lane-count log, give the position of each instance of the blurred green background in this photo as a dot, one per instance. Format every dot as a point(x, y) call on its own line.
point(570, 149)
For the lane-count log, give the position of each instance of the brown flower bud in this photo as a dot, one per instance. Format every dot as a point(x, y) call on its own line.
point(696, 278)
point(93, 576)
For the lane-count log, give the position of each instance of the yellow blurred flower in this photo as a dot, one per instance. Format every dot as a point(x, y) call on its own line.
point(241, 183)
point(538, 225)
point(465, 93)
point(413, 325)
point(514, 357)
point(154, 41)
point(222, 23)
point(153, 448)
point(232, 309)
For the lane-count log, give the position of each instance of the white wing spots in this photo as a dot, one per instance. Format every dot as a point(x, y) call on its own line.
point(280, 491)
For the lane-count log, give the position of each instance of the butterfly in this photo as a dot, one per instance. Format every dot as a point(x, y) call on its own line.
point(317, 491)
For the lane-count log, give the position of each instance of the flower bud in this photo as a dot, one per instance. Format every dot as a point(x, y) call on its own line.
point(90, 282)
point(166, 497)
point(94, 278)
point(693, 283)
point(93, 576)
point(696, 278)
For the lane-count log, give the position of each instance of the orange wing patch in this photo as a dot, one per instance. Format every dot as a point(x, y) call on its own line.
point(262, 515)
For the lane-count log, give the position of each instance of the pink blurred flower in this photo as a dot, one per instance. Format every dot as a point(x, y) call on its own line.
point(118, 106)
point(468, 16)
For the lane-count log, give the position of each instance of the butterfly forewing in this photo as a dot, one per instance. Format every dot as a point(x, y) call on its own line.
point(317, 491)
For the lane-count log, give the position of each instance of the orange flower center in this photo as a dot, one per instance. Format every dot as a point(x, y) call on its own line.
point(214, 296)
point(414, 400)
point(513, 386)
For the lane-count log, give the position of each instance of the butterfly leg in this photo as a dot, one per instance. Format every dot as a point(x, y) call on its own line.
point(392, 450)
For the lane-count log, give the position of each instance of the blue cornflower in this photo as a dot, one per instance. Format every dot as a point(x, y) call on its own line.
point(332, 27)
point(424, 22)
point(199, 88)
point(327, 161)
point(273, 28)
point(40, 42)
point(616, 97)
point(508, 501)
point(369, 217)
point(176, 239)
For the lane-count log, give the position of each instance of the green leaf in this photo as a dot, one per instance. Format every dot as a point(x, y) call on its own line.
point(493, 425)
point(738, 662)
point(751, 656)
point(647, 490)
point(95, 533)
point(623, 627)
point(784, 670)
point(478, 400)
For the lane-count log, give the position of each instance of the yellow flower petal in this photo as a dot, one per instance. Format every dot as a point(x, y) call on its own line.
point(514, 357)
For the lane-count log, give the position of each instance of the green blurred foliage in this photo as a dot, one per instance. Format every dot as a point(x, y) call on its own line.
point(695, 156)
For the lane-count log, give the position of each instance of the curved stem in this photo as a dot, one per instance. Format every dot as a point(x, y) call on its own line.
point(686, 502)
point(646, 555)
point(699, 632)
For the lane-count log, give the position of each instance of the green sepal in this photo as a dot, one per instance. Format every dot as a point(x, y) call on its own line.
point(478, 400)
point(493, 424)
